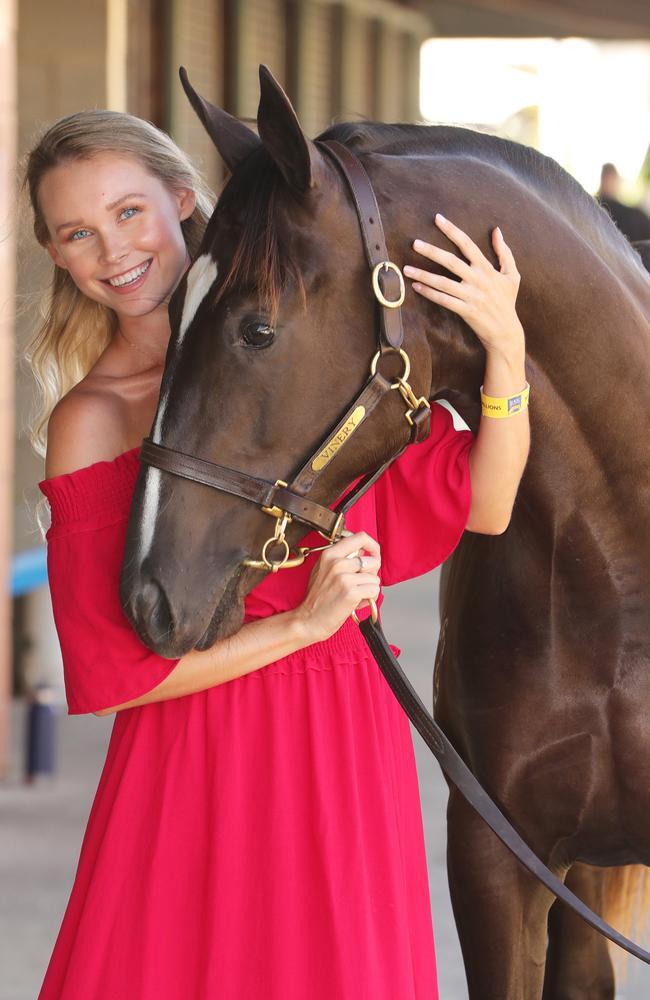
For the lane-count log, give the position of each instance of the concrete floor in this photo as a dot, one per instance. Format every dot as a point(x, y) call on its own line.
point(41, 826)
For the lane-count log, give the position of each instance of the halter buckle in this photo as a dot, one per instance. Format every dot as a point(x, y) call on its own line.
point(273, 510)
point(333, 535)
point(388, 265)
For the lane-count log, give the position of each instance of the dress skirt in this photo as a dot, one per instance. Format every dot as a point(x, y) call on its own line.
point(261, 840)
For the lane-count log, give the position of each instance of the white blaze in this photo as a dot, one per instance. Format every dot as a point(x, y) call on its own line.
point(149, 509)
point(200, 279)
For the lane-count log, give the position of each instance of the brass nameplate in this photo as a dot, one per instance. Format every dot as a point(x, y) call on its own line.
point(331, 448)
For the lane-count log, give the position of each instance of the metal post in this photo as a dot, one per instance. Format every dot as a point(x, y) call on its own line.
point(412, 78)
point(349, 89)
point(244, 87)
point(8, 120)
point(116, 54)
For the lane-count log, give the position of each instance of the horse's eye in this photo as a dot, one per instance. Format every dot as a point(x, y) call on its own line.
point(255, 333)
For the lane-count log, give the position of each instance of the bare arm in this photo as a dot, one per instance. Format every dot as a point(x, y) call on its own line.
point(335, 590)
point(253, 646)
point(485, 298)
point(498, 456)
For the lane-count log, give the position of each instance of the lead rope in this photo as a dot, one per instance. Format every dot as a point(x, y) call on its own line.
point(460, 775)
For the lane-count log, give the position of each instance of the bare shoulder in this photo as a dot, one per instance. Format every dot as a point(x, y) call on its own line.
point(87, 425)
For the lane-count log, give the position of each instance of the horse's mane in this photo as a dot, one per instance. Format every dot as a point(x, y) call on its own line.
point(259, 259)
point(543, 175)
point(262, 260)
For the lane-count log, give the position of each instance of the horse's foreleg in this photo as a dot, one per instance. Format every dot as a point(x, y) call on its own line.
point(501, 911)
point(578, 966)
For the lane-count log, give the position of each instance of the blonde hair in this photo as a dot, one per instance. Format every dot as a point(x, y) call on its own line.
point(75, 329)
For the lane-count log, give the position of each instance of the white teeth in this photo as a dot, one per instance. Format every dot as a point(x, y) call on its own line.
point(130, 276)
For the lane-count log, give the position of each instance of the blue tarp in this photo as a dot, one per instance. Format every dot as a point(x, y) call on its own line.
point(28, 571)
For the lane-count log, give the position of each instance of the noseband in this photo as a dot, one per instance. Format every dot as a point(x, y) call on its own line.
point(287, 502)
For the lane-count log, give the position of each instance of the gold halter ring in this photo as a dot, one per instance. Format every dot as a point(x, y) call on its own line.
point(405, 358)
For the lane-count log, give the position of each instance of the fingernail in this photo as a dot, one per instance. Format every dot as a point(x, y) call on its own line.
point(440, 218)
point(499, 232)
point(408, 269)
point(417, 244)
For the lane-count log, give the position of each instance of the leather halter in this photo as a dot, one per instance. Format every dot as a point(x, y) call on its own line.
point(286, 503)
point(290, 502)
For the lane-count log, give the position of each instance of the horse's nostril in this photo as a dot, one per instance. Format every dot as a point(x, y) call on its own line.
point(154, 611)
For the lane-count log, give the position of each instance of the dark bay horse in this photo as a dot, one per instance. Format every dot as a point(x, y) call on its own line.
point(542, 675)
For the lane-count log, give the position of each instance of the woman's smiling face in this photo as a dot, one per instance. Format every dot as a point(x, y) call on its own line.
point(116, 228)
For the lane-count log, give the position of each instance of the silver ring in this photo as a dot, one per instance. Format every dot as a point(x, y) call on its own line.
point(360, 558)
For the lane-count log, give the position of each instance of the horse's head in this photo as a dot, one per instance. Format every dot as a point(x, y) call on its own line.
point(273, 332)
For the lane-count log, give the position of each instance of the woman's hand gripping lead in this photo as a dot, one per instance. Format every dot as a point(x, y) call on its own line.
point(344, 579)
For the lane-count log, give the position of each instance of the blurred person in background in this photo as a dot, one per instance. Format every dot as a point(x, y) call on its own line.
point(631, 220)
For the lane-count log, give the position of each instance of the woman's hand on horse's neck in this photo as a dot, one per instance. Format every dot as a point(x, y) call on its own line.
point(485, 299)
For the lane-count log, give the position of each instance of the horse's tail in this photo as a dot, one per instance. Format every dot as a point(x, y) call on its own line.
point(626, 905)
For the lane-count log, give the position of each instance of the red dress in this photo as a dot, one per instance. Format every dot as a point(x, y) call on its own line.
point(261, 840)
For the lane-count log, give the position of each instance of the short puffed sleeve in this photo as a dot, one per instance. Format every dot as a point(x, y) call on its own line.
point(423, 499)
point(104, 662)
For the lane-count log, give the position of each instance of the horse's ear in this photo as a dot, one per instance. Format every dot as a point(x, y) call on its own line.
point(277, 123)
point(233, 139)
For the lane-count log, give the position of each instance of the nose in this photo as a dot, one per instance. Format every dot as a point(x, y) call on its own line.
point(114, 250)
point(153, 613)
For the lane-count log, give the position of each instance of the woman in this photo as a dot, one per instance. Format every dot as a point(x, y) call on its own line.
point(256, 832)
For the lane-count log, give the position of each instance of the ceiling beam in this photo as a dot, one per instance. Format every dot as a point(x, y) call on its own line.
point(627, 19)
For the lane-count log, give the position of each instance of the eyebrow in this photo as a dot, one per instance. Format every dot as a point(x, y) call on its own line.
point(109, 208)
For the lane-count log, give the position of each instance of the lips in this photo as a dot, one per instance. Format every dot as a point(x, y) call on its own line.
point(129, 278)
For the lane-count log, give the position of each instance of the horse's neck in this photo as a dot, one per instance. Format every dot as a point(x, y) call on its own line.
point(588, 340)
point(588, 363)
point(584, 303)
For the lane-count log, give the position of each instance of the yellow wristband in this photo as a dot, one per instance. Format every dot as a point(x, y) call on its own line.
point(504, 406)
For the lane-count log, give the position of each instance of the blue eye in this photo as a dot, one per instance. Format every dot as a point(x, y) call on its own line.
point(77, 235)
point(123, 213)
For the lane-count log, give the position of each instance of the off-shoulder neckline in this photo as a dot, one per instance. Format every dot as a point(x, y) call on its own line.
point(93, 465)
